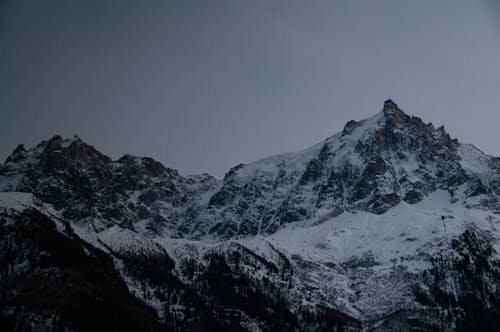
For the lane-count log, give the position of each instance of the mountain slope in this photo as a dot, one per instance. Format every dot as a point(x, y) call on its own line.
point(388, 225)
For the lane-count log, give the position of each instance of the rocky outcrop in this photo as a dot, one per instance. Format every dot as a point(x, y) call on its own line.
point(136, 193)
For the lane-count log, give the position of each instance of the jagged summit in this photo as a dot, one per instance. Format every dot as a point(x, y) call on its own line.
point(390, 116)
point(394, 114)
point(391, 106)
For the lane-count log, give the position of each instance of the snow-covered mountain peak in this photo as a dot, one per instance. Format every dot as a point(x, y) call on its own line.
point(372, 165)
point(390, 114)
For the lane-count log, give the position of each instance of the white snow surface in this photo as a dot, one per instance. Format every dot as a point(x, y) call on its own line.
point(402, 231)
point(16, 200)
point(475, 161)
point(403, 238)
point(270, 166)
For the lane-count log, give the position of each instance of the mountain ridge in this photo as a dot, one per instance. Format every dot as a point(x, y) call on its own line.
point(356, 232)
point(371, 165)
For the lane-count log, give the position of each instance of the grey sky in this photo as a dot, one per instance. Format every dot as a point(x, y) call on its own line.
point(204, 85)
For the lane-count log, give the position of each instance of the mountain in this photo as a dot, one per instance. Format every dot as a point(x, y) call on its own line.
point(389, 225)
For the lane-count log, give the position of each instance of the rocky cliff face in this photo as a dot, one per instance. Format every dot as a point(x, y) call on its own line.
point(89, 188)
point(389, 224)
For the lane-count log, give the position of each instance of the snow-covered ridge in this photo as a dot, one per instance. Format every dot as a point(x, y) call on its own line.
point(270, 166)
point(476, 162)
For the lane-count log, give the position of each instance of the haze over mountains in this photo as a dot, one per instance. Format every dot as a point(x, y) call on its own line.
point(388, 225)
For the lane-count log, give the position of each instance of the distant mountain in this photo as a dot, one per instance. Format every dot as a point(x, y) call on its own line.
point(389, 225)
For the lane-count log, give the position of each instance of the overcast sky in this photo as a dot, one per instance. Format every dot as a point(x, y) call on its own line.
point(204, 85)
